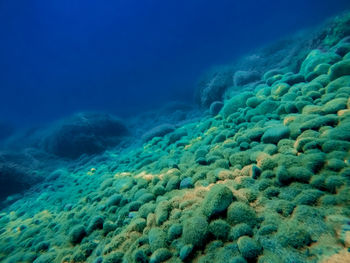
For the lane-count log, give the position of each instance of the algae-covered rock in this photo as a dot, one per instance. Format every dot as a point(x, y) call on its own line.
point(45, 258)
point(318, 122)
point(95, 223)
point(338, 83)
point(84, 133)
point(195, 230)
point(173, 183)
point(316, 57)
point(217, 200)
point(77, 234)
point(215, 107)
point(213, 85)
point(232, 105)
point(249, 247)
point(114, 257)
point(308, 197)
point(253, 102)
point(186, 183)
point(174, 231)
point(239, 212)
point(157, 238)
point(160, 255)
point(241, 78)
point(162, 212)
point(275, 134)
point(335, 145)
point(239, 230)
point(335, 105)
point(293, 234)
point(339, 69)
point(279, 89)
point(219, 229)
point(293, 174)
point(185, 251)
point(158, 131)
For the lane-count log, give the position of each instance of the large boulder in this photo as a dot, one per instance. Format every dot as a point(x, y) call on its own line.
point(158, 131)
point(84, 133)
point(17, 173)
point(213, 85)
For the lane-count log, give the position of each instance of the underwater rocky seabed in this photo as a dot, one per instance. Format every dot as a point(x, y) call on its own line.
point(263, 176)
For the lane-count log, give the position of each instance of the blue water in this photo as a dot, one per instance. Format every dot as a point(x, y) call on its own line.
point(62, 56)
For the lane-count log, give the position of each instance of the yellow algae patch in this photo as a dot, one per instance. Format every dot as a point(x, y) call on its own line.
point(149, 176)
point(228, 141)
point(91, 172)
point(147, 146)
point(215, 147)
point(211, 130)
point(122, 174)
point(193, 141)
point(341, 257)
point(288, 120)
point(343, 112)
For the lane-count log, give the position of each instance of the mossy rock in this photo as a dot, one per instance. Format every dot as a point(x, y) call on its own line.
point(308, 197)
point(174, 231)
point(335, 164)
point(114, 257)
point(140, 255)
point(275, 134)
point(285, 207)
point(162, 212)
point(293, 234)
point(335, 145)
point(293, 174)
point(267, 106)
point(239, 212)
point(334, 182)
point(322, 68)
point(195, 230)
point(335, 105)
point(292, 79)
point(231, 106)
point(108, 226)
point(160, 255)
point(114, 200)
point(341, 82)
point(316, 57)
point(77, 234)
point(267, 230)
point(339, 69)
point(157, 239)
point(341, 132)
point(219, 229)
point(239, 230)
point(279, 89)
point(249, 247)
point(44, 258)
point(253, 102)
point(215, 107)
point(217, 200)
point(272, 72)
point(185, 252)
point(318, 122)
point(322, 79)
point(240, 158)
point(95, 223)
point(138, 224)
point(147, 209)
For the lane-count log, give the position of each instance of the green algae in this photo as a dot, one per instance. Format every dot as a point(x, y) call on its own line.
point(264, 178)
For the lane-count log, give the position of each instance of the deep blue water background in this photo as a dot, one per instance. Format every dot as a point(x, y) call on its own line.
point(125, 56)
